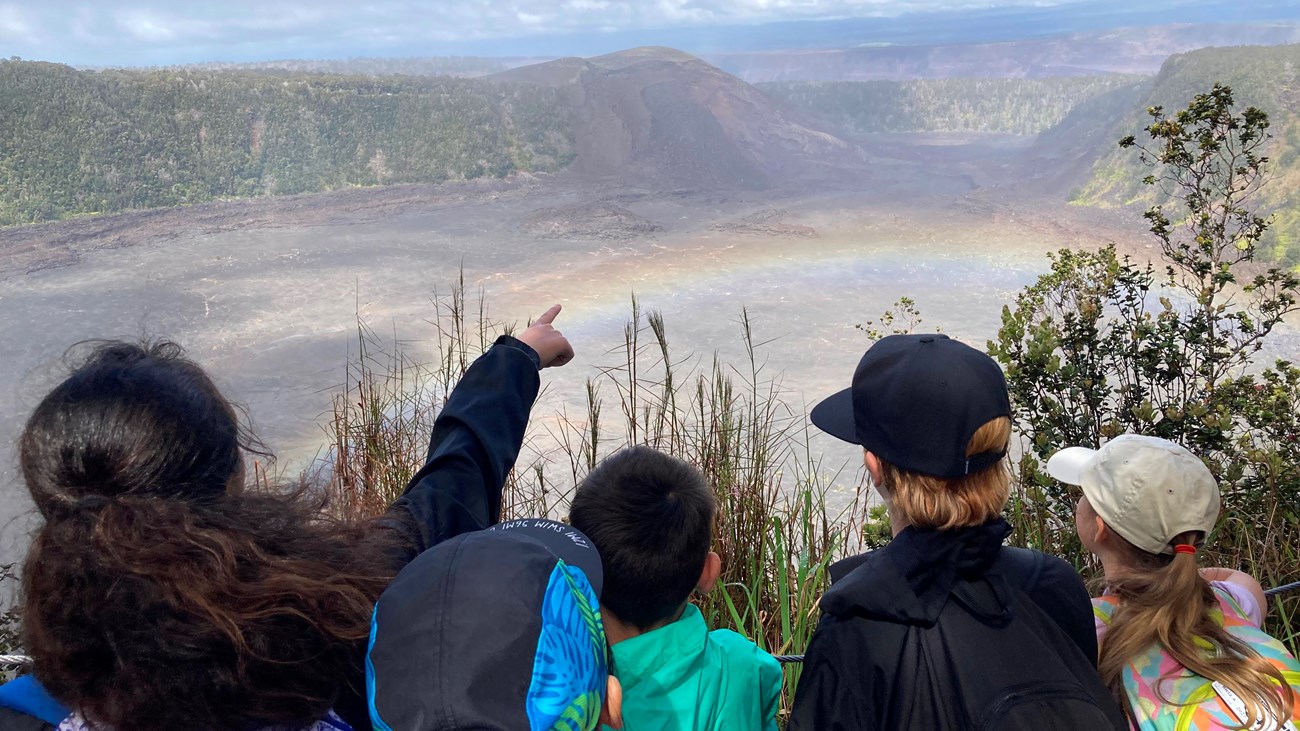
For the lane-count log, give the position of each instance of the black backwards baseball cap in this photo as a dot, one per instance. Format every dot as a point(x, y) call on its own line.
point(916, 401)
point(496, 629)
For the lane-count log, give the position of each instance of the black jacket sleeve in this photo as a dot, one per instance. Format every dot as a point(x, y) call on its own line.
point(835, 690)
point(475, 442)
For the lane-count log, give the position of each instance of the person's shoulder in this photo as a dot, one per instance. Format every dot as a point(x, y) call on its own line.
point(747, 664)
point(1033, 569)
point(845, 566)
point(736, 648)
point(832, 625)
point(854, 641)
point(1060, 570)
point(1238, 601)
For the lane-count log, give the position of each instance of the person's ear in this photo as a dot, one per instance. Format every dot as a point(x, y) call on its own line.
point(709, 575)
point(872, 463)
point(235, 485)
point(1103, 531)
point(611, 711)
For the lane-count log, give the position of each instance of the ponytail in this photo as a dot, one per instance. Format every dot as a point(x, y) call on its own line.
point(1163, 600)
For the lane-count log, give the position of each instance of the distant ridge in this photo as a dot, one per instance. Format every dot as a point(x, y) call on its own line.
point(1131, 50)
point(462, 66)
point(1264, 77)
point(76, 142)
point(666, 117)
point(623, 59)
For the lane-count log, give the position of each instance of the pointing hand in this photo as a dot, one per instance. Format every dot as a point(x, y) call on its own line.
point(552, 347)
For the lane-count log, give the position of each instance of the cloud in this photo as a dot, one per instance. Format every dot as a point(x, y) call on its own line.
point(145, 26)
point(164, 31)
point(14, 26)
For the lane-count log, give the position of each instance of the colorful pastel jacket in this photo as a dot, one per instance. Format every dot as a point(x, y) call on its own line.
point(1165, 696)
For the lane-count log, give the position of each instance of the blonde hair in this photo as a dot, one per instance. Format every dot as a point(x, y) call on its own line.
point(1163, 600)
point(945, 503)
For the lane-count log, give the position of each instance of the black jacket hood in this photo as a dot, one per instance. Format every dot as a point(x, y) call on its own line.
point(911, 579)
point(952, 630)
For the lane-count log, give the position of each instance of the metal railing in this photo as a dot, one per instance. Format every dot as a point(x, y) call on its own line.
point(1267, 593)
point(21, 662)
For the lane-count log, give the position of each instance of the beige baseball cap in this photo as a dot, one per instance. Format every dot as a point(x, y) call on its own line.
point(1147, 489)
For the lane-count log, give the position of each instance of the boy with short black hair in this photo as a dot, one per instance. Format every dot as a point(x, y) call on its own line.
point(651, 517)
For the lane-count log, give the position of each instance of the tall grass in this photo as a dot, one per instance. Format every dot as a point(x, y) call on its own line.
point(776, 533)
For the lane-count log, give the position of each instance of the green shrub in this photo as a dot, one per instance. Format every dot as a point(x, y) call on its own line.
point(1100, 346)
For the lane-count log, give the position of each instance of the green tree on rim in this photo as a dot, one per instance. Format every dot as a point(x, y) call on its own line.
point(1101, 345)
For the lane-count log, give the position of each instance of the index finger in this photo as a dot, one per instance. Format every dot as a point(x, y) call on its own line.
point(549, 316)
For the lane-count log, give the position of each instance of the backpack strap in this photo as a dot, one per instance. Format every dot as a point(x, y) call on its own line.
point(1022, 567)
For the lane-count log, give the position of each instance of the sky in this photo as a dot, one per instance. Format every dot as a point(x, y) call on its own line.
point(149, 32)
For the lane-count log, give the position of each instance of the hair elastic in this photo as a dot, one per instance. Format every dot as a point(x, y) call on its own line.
point(1186, 548)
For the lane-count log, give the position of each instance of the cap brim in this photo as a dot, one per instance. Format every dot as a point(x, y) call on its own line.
point(1067, 465)
point(834, 415)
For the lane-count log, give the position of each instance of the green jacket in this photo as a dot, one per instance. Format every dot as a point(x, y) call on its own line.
point(682, 677)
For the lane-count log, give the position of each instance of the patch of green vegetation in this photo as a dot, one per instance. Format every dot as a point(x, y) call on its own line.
point(75, 142)
point(1263, 77)
point(1100, 346)
point(1010, 106)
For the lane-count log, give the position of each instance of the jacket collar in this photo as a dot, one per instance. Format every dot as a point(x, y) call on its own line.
point(665, 651)
point(911, 578)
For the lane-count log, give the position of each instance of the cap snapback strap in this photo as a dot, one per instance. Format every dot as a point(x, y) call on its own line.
point(983, 460)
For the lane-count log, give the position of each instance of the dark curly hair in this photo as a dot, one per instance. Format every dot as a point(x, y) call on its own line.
point(159, 593)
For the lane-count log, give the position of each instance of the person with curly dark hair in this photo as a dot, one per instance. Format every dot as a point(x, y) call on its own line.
point(164, 593)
